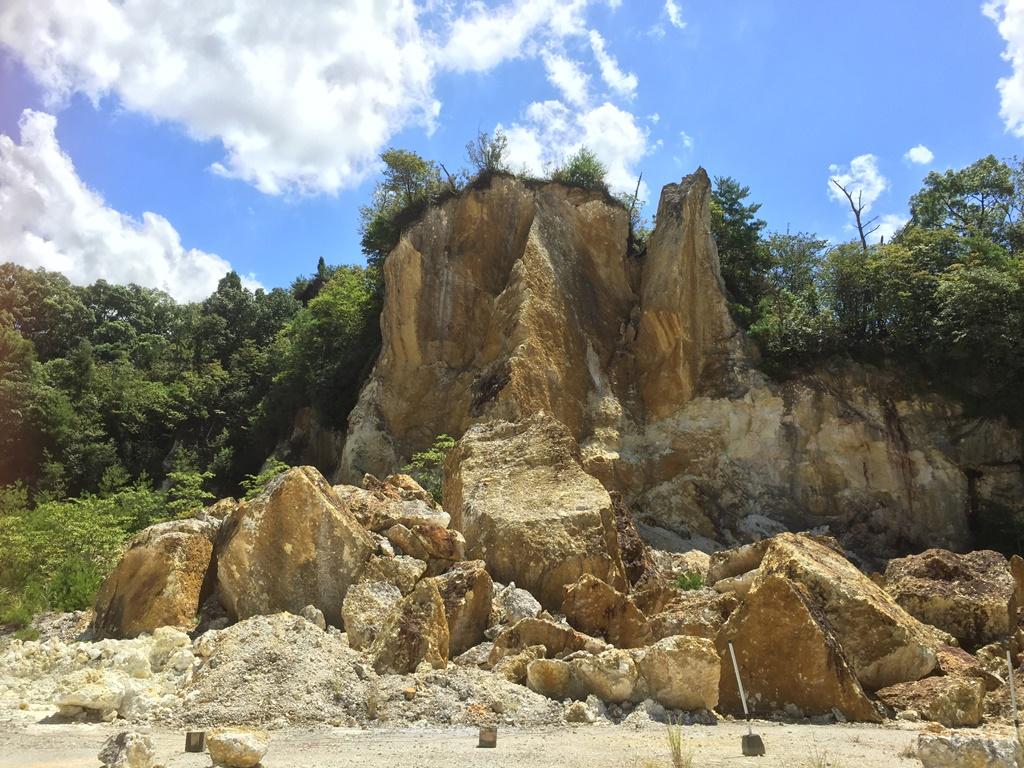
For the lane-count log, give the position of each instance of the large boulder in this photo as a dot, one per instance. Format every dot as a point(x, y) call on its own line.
point(961, 750)
point(596, 608)
point(789, 656)
point(366, 606)
point(526, 507)
point(698, 612)
point(954, 701)
point(237, 747)
point(971, 596)
point(466, 590)
point(127, 750)
point(680, 673)
point(160, 580)
point(611, 675)
point(437, 547)
point(396, 500)
point(415, 631)
point(400, 570)
point(294, 545)
point(558, 639)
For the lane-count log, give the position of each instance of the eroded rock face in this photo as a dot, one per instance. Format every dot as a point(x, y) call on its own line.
point(127, 750)
point(953, 701)
point(366, 607)
point(293, 545)
point(971, 596)
point(415, 631)
point(518, 494)
point(466, 590)
point(680, 672)
point(160, 581)
point(968, 751)
point(595, 608)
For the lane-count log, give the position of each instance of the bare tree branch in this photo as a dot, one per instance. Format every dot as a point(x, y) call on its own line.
point(858, 212)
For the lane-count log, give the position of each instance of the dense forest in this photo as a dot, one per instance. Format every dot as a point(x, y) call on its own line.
point(120, 407)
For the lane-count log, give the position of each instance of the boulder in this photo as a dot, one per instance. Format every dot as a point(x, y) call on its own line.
point(526, 507)
point(127, 750)
point(315, 616)
point(415, 631)
point(953, 701)
point(970, 596)
point(679, 673)
point(293, 545)
point(883, 643)
point(558, 639)
point(512, 604)
point(553, 678)
point(98, 692)
point(160, 580)
point(437, 547)
point(958, 750)
point(958, 662)
point(513, 667)
point(400, 570)
point(611, 675)
point(597, 608)
point(698, 612)
point(366, 606)
point(466, 590)
point(779, 622)
point(237, 747)
point(396, 500)
point(578, 712)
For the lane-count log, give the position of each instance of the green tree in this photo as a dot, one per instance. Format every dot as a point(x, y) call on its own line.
point(187, 494)
point(426, 466)
point(487, 152)
point(737, 232)
point(582, 169)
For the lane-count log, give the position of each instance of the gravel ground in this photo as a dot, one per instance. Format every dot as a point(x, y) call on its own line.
point(36, 745)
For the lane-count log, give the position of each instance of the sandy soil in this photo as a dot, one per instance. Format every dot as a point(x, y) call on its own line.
point(38, 745)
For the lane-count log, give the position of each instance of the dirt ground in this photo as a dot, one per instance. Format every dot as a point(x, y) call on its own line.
point(39, 745)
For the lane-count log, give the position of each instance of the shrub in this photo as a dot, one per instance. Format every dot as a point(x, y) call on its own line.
point(426, 466)
point(253, 485)
point(689, 581)
point(487, 152)
point(583, 169)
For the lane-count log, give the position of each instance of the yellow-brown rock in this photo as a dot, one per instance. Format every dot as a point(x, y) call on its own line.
point(293, 545)
point(396, 500)
point(680, 673)
point(558, 639)
point(160, 580)
point(526, 507)
point(415, 631)
point(972, 596)
point(552, 678)
point(596, 608)
point(437, 547)
point(698, 613)
point(466, 590)
point(789, 656)
point(953, 701)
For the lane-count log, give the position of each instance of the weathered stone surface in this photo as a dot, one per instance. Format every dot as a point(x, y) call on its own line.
point(127, 750)
point(971, 596)
point(400, 570)
point(596, 608)
point(100, 692)
point(552, 678)
point(396, 500)
point(558, 639)
point(415, 631)
point(314, 616)
point(610, 675)
point(237, 747)
point(437, 547)
point(512, 604)
point(513, 667)
point(160, 581)
point(957, 662)
point(883, 643)
point(293, 545)
point(780, 622)
point(366, 606)
point(680, 673)
point(527, 508)
point(698, 612)
point(466, 590)
point(958, 750)
point(954, 701)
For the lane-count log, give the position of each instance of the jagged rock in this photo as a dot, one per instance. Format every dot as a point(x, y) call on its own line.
point(730, 563)
point(219, 511)
point(513, 666)
point(698, 612)
point(314, 616)
point(883, 643)
point(552, 678)
point(237, 747)
point(127, 750)
point(558, 639)
point(415, 631)
point(293, 545)
point(611, 675)
point(954, 701)
point(596, 608)
point(466, 590)
point(400, 570)
point(779, 622)
point(957, 662)
point(160, 580)
point(971, 596)
point(959, 750)
point(366, 606)
point(437, 547)
point(396, 500)
point(478, 656)
point(512, 604)
point(1017, 572)
point(679, 673)
point(527, 508)
point(578, 712)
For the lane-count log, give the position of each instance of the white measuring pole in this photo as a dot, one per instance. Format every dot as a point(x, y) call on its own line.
point(739, 684)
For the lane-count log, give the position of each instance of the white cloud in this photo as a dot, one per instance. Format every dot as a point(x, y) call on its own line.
point(49, 218)
point(687, 140)
point(862, 179)
point(889, 225)
point(567, 76)
point(675, 14)
point(1009, 18)
point(920, 155)
point(623, 83)
point(550, 132)
point(302, 95)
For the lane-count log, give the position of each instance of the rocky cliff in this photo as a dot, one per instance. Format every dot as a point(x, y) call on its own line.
point(513, 299)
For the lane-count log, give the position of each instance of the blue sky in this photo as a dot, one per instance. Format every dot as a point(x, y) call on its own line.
point(219, 126)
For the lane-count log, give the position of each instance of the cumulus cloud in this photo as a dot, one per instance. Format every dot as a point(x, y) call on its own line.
point(675, 14)
point(889, 224)
point(861, 178)
point(623, 83)
point(49, 218)
point(301, 95)
point(567, 76)
point(550, 132)
point(920, 155)
point(687, 140)
point(1009, 18)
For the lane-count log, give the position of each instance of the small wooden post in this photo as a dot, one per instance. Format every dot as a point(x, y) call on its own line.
point(195, 741)
point(488, 737)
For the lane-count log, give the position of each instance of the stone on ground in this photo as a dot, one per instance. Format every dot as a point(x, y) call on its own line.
point(293, 545)
point(679, 673)
point(953, 701)
point(594, 607)
point(521, 498)
point(237, 747)
point(958, 750)
point(415, 631)
point(367, 604)
point(127, 750)
point(466, 590)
